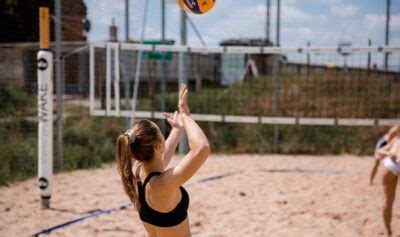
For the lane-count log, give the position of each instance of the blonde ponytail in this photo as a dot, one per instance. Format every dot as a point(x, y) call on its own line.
point(125, 164)
point(135, 144)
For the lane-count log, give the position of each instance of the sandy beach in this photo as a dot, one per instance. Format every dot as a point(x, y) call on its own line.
point(258, 195)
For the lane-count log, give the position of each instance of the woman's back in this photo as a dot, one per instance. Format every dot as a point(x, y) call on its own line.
point(171, 204)
point(163, 212)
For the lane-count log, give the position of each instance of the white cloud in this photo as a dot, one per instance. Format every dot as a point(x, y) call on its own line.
point(343, 9)
point(374, 21)
point(292, 14)
point(338, 8)
point(395, 23)
point(249, 21)
point(306, 32)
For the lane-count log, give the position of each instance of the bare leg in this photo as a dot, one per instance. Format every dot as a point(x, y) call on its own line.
point(389, 186)
point(374, 171)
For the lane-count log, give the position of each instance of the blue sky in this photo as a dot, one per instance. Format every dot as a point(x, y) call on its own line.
point(323, 22)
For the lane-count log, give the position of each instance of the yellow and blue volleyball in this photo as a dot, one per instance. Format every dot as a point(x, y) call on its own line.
point(196, 6)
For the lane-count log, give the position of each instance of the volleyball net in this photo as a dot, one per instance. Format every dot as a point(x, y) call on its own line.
point(349, 86)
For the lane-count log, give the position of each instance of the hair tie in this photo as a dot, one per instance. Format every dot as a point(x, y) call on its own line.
point(131, 135)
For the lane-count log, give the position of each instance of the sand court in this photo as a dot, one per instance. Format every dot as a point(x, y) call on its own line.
point(241, 195)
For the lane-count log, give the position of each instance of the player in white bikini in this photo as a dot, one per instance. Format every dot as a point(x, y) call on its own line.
point(390, 158)
point(386, 139)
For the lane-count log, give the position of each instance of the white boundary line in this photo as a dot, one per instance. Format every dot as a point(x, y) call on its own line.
point(241, 119)
point(208, 117)
point(388, 122)
point(255, 119)
point(356, 122)
point(278, 120)
point(316, 121)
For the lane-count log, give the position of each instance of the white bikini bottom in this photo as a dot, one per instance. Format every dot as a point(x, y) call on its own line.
point(393, 166)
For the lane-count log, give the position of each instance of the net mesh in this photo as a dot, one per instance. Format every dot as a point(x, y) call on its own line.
point(322, 84)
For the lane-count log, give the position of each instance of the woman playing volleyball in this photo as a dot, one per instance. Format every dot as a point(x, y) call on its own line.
point(390, 155)
point(143, 154)
point(387, 138)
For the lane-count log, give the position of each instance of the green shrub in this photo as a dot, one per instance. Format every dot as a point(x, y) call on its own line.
point(90, 141)
point(17, 130)
point(15, 101)
point(246, 138)
point(5, 172)
point(18, 161)
point(105, 151)
point(79, 157)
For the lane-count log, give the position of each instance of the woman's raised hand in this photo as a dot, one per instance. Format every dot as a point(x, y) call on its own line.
point(174, 122)
point(198, 144)
point(182, 102)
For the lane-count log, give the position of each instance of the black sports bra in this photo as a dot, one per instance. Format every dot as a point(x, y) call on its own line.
point(161, 219)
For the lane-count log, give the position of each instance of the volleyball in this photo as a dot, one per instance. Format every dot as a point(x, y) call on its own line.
point(196, 6)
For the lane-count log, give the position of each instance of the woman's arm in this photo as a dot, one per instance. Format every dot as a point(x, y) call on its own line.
point(198, 144)
point(174, 136)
